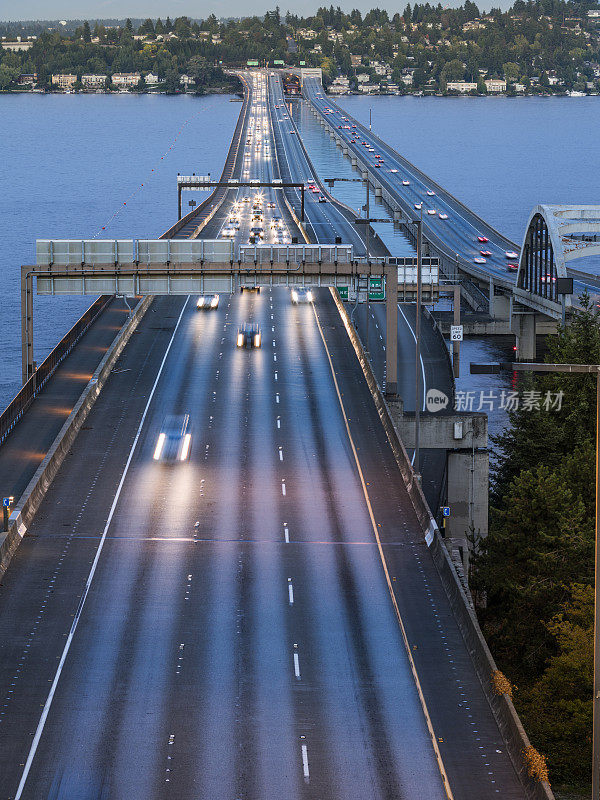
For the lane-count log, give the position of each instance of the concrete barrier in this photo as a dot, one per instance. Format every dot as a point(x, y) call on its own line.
point(30, 500)
point(502, 706)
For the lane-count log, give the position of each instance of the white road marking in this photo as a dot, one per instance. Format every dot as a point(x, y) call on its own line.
point(283, 488)
point(277, 398)
point(287, 535)
point(291, 591)
point(281, 453)
point(63, 658)
point(279, 422)
point(305, 762)
point(297, 666)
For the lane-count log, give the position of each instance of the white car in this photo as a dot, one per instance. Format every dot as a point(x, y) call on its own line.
point(511, 254)
point(301, 295)
point(405, 183)
point(431, 211)
point(479, 260)
point(207, 301)
point(418, 206)
point(430, 193)
point(394, 170)
point(174, 439)
point(443, 216)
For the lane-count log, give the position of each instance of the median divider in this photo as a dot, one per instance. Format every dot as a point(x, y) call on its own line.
point(514, 735)
point(29, 502)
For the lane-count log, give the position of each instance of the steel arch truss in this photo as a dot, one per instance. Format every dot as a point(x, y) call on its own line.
point(556, 235)
point(537, 268)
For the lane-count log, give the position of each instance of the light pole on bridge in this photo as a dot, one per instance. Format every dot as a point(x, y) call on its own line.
point(594, 369)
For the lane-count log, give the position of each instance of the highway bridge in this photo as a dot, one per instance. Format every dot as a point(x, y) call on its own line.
point(274, 615)
point(468, 246)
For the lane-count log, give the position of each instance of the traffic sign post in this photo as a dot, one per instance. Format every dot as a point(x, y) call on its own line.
point(6, 504)
point(456, 333)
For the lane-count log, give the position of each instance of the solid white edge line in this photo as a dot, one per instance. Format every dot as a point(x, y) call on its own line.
point(413, 668)
point(48, 703)
point(410, 328)
point(297, 665)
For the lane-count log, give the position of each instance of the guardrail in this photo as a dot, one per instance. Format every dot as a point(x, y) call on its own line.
point(296, 254)
point(29, 502)
point(94, 252)
point(25, 396)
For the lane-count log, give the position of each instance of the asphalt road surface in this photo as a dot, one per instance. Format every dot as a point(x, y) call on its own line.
point(223, 627)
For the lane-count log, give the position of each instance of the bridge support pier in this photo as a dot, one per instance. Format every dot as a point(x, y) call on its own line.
point(523, 326)
point(27, 365)
point(391, 330)
point(378, 191)
point(353, 161)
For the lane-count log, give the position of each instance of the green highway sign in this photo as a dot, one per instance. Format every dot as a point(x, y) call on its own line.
point(252, 63)
point(278, 63)
point(303, 63)
point(343, 291)
point(376, 289)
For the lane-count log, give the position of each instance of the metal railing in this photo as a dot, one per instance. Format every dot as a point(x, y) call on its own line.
point(28, 392)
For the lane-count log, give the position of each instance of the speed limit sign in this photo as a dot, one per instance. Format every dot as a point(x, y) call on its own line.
point(456, 333)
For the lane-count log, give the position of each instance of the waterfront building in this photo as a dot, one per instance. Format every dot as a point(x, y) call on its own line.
point(64, 81)
point(94, 81)
point(125, 80)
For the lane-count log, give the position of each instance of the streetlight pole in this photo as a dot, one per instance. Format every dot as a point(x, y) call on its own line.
point(418, 391)
point(367, 232)
point(486, 369)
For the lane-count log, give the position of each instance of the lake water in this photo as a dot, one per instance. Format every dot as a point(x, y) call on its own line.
point(74, 163)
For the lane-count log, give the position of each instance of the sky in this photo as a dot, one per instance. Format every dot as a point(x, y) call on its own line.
point(11, 10)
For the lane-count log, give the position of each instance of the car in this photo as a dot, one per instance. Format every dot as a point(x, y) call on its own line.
point(315, 190)
point(405, 183)
point(511, 267)
point(431, 211)
point(418, 206)
point(511, 254)
point(482, 239)
point(322, 199)
point(548, 278)
point(301, 295)
point(443, 216)
point(486, 253)
point(479, 260)
point(394, 171)
point(431, 193)
point(174, 440)
point(378, 165)
point(207, 301)
point(292, 132)
point(248, 335)
point(249, 289)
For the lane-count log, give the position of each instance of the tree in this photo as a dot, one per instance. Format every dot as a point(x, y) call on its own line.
point(511, 72)
point(159, 28)
point(172, 85)
point(146, 28)
point(87, 34)
point(558, 710)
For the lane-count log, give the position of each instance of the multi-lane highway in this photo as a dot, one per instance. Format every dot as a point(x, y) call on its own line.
point(447, 223)
point(262, 620)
